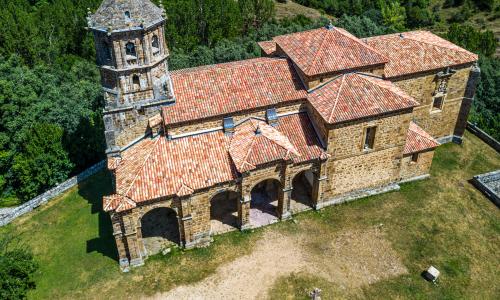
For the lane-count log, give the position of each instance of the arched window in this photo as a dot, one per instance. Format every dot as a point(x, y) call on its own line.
point(136, 82)
point(106, 50)
point(127, 16)
point(155, 45)
point(130, 49)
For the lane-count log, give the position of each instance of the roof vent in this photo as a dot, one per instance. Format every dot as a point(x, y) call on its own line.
point(401, 36)
point(228, 125)
point(330, 26)
point(258, 131)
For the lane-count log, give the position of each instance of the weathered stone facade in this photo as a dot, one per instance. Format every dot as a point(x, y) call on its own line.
point(349, 168)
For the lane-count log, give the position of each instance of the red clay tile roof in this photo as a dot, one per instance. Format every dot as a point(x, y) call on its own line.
point(269, 47)
point(255, 143)
point(157, 167)
point(418, 140)
point(231, 87)
point(323, 50)
point(352, 96)
point(418, 51)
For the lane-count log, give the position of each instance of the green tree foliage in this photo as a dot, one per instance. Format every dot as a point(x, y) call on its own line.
point(42, 162)
point(483, 42)
point(67, 95)
point(17, 267)
point(393, 15)
point(361, 26)
point(486, 108)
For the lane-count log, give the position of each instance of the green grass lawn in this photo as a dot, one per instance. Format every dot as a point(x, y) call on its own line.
point(442, 221)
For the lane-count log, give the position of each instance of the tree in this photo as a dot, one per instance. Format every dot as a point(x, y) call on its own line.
point(394, 15)
point(255, 12)
point(361, 26)
point(17, 267)
point(42, 161)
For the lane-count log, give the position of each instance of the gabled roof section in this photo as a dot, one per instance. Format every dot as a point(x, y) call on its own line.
point(269, 47)
point(353, 96)
point(119, 15)
point(327, 50)
point(418, 140)
point(418, 51)
point(227, 88)
point(255, 142)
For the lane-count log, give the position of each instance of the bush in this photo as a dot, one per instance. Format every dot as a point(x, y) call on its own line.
point(17, 267)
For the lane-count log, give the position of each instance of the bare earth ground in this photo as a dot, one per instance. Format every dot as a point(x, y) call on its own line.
point(354, 259)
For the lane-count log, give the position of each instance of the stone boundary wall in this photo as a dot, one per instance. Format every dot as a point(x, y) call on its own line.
point(489, 184)
point(484, 136)
point(7, 215)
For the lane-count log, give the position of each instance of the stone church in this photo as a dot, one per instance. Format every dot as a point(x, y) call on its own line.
point(321, 118)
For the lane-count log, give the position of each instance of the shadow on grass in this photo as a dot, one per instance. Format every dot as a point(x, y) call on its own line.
point(93, 190)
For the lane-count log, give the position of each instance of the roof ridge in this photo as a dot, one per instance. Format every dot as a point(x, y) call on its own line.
point(337, 99)
point(142, 167)
point(248, 153)
point(457, 48)
point(358, 40)
point(325, 36)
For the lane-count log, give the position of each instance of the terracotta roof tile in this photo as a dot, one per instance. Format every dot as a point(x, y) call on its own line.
point(255, 142)
point(323, 50)
point(418, 51)
point(231, 87)
point(269, 47)
point(418, 140)
point(155, 168)
point(352, 96)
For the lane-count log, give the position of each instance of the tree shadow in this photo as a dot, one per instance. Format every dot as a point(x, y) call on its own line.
point(92, 190)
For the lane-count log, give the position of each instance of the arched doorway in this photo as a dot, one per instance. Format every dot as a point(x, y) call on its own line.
point(264, 202)
point(224, 212)
point(302, 185)
point(160, 230)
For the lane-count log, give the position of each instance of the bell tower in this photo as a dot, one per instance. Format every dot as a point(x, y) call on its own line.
point(132, 56)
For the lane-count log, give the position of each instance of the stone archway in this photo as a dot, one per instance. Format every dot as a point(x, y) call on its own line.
point(160, 230)
point(301, 198)
point(224, 212)
point(265, 197)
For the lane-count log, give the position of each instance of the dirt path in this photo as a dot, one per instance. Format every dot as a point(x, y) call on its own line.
point(350, 260)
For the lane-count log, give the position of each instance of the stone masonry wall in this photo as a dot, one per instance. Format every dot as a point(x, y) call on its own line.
point(438, 123)
point(410, 169)
point(350, 167)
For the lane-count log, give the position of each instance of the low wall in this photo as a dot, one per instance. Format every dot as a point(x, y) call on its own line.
point(489, 184)
point(7, 215)
point(484, 136)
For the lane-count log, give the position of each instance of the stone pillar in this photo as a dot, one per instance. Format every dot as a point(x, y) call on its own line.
point(244, 211)
point(286, 193)
point(320, 178)
point(121, 243)
point(129, 242)
point(470, 90)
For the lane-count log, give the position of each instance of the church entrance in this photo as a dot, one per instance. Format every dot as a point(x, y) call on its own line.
point(224, 212)
point(264, 203)
point(160, 230)
point(302, 185)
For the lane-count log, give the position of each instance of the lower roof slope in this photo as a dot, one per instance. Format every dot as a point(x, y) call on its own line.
point(354, 95)
point(418, 51)
point(227, 88)
point(157, 167)
point(418, 140)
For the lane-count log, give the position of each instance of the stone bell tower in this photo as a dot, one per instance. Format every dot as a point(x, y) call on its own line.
point(132, 56)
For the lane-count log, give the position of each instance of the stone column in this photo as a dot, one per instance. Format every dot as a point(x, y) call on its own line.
point(121, 243)
point(133, 239)
point(320, 178)
point(470, 90)
point(244, 211)
point(286, 193)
